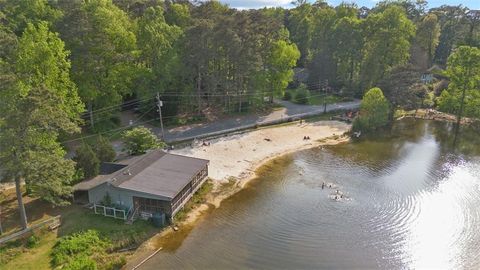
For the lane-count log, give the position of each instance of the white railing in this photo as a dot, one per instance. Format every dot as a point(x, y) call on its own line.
point(109, 211)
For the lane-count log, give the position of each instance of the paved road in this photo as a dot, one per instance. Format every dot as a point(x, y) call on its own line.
point(290, 110)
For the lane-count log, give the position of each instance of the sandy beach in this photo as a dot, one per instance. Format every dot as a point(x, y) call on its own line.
point(240, 155)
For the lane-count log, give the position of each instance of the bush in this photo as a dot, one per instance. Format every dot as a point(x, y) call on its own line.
point(302, 96)
point(81, 263)
point(374, 111)
point(287, 96)
point(74, 251)
point(140, 139)
point(32, 241)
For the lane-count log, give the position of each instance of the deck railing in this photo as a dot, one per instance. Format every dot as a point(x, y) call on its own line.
point(110, 211)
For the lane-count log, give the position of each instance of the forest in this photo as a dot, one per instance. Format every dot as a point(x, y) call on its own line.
point(70, 66)
point(200, 55)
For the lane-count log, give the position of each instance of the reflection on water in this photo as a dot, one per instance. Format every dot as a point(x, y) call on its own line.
point(415, 204)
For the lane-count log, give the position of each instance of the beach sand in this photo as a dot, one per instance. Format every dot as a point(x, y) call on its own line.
point(239, 155)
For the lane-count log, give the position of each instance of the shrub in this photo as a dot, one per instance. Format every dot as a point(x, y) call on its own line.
point(81, 263)
point(374, 111)
point(287, 96)
point(74, 251)
point(302, 96)
point(32, 241)
point(140, 139)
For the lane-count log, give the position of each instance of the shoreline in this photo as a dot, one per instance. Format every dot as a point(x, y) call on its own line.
point(242, 171)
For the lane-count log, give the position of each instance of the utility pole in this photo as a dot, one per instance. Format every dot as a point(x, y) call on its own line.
point(1, 229)
point(90, 112)
point(159, 105)
point(325, 96)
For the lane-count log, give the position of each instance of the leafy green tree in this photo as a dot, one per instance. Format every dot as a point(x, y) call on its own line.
point(348, 38)
point(159, 52)
point(40, 103)
point(403, 87)
point(302, 95)
point(322, 65)
point(102, 42)
point(140, 139)
point(178, 14)
point(104, 150)
point(282, 59)
point(87, 161)
point(463, 94)
point(22, 12)
point(452, 30)
point(300, 24)
point(374, 111)
point(387, 43)
point(428, 34)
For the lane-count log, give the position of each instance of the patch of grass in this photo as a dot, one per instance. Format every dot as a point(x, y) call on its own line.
point(198, 198)
point(321, 117)
point(17, 255)
point(77, 219)
point(319, 100)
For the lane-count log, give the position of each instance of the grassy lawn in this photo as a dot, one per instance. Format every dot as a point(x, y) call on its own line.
point(34, 258)
point(78, 219)
point(318, 98)
point(17, 254)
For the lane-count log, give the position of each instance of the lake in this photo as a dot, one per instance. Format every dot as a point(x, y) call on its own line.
point(409, 200)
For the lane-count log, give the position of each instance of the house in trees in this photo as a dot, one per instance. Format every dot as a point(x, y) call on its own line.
point(157, 182)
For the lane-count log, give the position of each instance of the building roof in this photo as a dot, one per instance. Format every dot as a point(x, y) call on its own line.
point(157, 173)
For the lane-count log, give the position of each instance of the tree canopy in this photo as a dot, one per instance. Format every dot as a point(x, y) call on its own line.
point(140, 139)
point(463, 94)
point(374, 111)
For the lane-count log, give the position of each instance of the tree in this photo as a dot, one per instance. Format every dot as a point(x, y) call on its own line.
point(40, 103)
point(102, 42)
point(374, 111)
point(428, 34)
point(300, 25)
point(387, 43)
point(463, 70)
point(104, 150)
point(452, 30)
point(348, 38)
point(403, 87)
point(140, 139)
point(280, 65)
point(87, 161)
point(22, 12)
point(159, 55)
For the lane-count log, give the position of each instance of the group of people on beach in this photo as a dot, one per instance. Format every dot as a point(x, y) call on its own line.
point(306, 137)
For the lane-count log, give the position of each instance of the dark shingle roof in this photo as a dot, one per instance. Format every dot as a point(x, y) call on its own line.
point(157, 173)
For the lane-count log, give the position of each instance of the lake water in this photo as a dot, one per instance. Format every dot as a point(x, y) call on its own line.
point(413, 202)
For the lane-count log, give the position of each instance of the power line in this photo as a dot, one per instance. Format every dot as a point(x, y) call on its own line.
point(108, 131)
point(113, 107)
point(136, 121)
